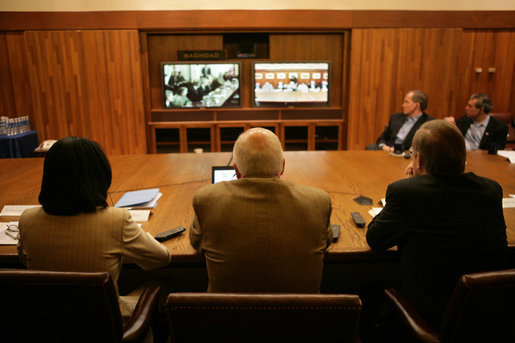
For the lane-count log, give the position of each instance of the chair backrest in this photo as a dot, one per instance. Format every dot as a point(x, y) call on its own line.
point(481, 309)
point(228, 317)
point(41, 306)
point(509, 119)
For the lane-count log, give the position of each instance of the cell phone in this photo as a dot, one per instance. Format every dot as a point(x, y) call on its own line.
point(336, 231)
point(166, 235)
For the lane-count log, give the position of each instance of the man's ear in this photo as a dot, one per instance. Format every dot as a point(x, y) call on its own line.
point(238, 174)
point(282, 171)
point(418, 162)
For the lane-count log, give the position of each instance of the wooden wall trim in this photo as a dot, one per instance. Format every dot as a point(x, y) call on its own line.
point(298, 20)
point(178, 20)
point(436, 19)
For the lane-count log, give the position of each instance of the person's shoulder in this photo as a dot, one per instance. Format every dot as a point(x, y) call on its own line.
point(498, 122)
point(397, 115)
point(213, 189)
point(307, 190)
point(112, 211)
point(111, 214)
point(482, 180)
point(409, 183)
point(463, 120)
point(427, 117)
point(33, 212)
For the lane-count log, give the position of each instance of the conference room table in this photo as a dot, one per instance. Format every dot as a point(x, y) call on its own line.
point(345, 175)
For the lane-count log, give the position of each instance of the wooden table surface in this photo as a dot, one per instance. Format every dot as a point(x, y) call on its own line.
point(343, 174)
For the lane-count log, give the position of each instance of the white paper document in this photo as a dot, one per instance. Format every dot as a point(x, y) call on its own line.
point(375, 211)
point(509, 154)
point(7, 239)
point(508, 202)
point(140, 215)
point(15, 210)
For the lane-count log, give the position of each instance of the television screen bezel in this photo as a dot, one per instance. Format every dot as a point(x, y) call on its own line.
point(291, 104)
point(163, 87)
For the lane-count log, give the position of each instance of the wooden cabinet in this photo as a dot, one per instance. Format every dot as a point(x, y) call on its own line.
point(220, 135)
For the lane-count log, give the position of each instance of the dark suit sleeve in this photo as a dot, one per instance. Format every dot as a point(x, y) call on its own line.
point(386, 135)
point(463, 125)
point(409, 137)
point(500, 134)
point(386, 228)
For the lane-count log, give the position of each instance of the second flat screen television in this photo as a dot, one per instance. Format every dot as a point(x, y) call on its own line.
point(291, 84)
point(201, 84)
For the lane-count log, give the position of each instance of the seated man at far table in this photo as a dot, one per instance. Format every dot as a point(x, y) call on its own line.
point(445, 222)
point(402, 126)
point(260, 233)
point(480, 129)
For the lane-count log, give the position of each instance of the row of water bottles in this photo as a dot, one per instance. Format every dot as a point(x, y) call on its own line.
point(14, 126)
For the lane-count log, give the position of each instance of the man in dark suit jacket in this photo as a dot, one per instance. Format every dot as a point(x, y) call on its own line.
point(402, 126)
point(444, 222)
point(480, 129)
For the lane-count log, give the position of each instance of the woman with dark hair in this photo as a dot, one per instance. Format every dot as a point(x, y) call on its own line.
point(75, 230)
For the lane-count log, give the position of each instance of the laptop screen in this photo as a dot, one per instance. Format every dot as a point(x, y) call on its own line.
point(225, 173)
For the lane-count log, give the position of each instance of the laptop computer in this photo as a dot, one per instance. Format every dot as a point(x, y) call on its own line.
point(225, 173)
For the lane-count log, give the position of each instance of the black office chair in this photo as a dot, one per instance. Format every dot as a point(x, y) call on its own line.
point(227, 317)
point(42, 306)
point(509, 119)
point(481, 309)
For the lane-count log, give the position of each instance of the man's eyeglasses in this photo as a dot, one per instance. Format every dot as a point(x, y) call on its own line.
point(12, 231)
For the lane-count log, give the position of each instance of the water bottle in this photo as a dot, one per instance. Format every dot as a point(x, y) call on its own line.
point(27, 123)
point(16, 125)
point(10, 125)
point(3, 127)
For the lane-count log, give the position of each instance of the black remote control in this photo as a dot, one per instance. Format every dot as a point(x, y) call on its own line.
point(163, 236)
point(336, 231)
point(358, 219)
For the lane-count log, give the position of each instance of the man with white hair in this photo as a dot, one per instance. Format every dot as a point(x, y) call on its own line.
point(260, 233)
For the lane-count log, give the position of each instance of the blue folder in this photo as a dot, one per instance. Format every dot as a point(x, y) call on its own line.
point(135, 198)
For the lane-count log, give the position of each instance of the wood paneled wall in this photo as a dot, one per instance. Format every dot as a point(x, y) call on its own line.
point(486, 49)
point(313, 47)
point(15, 90)
point(88, 83)
point(388, 63)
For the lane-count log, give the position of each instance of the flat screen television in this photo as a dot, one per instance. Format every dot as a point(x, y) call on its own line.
point(201, 84)
point(291, 84)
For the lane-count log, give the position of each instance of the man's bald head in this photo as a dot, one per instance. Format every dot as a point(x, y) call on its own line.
point(258, 151)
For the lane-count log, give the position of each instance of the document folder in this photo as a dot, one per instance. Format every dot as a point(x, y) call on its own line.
point(137, 198)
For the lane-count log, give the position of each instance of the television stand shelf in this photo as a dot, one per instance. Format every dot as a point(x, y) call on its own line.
point(220, 135)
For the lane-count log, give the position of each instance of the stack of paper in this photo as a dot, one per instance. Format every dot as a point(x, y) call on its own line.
point(509, 154)
point(146, 198)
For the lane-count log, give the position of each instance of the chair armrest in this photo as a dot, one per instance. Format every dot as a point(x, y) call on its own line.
point(415, 324)
point(138, 324)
